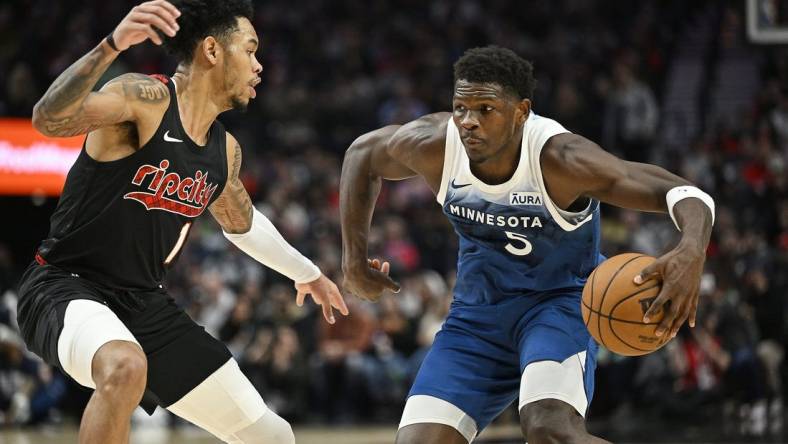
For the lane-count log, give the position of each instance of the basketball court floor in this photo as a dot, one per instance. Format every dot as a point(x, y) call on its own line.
point(506, 434)
point(189, 435)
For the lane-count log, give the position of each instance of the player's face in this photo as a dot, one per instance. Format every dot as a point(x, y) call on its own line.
point(488, 118)
point(241, 68)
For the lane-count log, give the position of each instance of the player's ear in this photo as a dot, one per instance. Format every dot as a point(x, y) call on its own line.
point(523, 110)
point(211, 50)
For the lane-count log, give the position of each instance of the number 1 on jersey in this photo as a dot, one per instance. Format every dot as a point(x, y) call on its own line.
point(179, 244)
point(518, 239)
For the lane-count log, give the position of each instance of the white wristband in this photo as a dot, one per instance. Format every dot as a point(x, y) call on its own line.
point(677, 194)
point(264, 243)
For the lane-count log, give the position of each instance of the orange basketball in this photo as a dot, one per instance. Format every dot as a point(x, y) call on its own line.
point(613, 306)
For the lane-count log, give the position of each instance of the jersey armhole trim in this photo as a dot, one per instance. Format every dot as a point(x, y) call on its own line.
point(561, 217)
point(223, 154)
point(448, 160)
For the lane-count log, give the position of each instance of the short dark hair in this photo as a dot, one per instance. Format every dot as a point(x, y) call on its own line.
point(201, 18)
point(493, 64)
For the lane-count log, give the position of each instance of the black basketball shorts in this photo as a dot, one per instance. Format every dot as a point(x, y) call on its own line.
point(180, 353)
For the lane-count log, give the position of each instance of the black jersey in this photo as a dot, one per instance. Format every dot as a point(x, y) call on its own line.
point(122, 223)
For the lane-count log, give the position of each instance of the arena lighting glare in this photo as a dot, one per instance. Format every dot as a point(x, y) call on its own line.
point(31, 163)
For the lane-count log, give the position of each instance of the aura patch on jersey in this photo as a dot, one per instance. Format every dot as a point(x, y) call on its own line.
point(187, 196)
point(529, 198)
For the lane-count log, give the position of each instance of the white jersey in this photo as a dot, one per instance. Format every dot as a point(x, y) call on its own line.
point(513, 239)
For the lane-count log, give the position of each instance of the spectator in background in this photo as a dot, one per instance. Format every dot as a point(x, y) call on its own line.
point(779, 120)
point(387, 369)
point(341, 363)
point(215, 302)
point(277, 366)
point(21, 89)
point(398, 247)
point(30, 391)
point(631, 114)
point(402, 107)
point(436, 301)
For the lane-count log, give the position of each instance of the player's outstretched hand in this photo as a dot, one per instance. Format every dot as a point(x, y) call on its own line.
point(371, 281)
point(325, 294)
point(139, 24)
point(680, 271)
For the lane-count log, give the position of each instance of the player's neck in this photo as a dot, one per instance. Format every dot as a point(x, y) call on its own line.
point(501, 167)
point(198, 103)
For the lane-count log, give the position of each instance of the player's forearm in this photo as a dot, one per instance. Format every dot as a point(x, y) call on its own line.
point(253, 233)
point(580, 165)
point(358, 192)
point(57, 113)
point(658, 180)
point(264, 243)
point(694, 219)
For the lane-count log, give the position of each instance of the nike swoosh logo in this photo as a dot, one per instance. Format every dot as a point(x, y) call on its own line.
point(167, 138)
point(455, 186)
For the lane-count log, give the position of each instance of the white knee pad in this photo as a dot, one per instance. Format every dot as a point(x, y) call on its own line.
point(429, 409)
point(227, 405)
point(564, 381)
point(87, 326)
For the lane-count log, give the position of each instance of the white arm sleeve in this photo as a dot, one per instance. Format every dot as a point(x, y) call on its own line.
point(264, 243)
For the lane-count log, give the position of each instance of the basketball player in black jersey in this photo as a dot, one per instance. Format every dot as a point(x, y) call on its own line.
point(93, 302)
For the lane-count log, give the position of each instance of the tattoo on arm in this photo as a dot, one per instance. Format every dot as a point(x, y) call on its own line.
point(143, 88)
point(236, 163)
point(64, 97)
point(233, 209)
point(68, 108)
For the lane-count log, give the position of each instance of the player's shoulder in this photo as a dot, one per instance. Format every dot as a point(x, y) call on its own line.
point(233, 150)
point(421, 144)
point(133, 79)
point(543, 132)
point(427, 127)
point(232, 142)
point(151, 89)
point(538, 122)
point(426, 132)
point(568, 152)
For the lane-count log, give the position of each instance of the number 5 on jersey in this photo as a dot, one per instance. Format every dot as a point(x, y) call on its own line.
point(520, 246)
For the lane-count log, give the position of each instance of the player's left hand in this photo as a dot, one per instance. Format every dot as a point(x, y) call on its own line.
point(680, 271)
point(325, 293)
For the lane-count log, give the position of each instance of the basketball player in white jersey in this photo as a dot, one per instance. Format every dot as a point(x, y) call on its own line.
point(523, 196)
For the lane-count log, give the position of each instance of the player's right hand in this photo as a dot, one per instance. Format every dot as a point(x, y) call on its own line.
point(325, 293)
point(139, 24)
point(371, 281)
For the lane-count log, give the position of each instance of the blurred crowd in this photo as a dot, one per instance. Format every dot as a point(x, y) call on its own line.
point(335, 69)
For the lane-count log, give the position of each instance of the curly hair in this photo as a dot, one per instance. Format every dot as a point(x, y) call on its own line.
point(201, 18)
point(493, 64)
